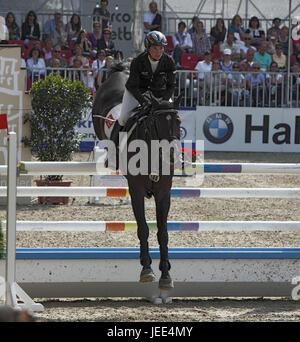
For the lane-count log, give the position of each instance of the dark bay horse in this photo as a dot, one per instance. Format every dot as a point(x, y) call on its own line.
point(158, 123)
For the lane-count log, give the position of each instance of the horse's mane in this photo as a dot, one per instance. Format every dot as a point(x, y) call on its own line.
point(119, 67)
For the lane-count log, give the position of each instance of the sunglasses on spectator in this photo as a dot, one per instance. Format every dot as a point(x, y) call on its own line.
point(57, 50)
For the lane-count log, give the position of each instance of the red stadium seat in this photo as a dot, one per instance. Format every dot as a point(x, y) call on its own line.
point(189, 61)
point(170, 46)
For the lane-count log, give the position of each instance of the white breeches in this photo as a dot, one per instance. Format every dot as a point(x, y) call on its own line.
point(128, 104)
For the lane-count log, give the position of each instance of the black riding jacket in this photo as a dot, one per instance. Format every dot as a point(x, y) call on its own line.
point(141, 79)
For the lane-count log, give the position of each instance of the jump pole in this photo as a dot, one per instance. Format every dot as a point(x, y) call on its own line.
point(12, 290)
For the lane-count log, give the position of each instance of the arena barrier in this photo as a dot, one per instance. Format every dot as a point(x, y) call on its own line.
point(197, 272)
point(113, 272)
point(172, 226)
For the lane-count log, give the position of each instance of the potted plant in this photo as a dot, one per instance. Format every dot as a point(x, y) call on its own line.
point(57, 106)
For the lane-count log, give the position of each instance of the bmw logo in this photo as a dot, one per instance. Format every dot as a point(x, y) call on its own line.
point(182, 132)
point(218, 128)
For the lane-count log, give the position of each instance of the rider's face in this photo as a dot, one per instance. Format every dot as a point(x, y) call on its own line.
point(156, 52)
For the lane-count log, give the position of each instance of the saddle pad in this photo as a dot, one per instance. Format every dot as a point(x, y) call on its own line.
point(113, 114)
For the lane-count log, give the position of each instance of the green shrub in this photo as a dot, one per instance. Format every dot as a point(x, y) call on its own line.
point(57, 107)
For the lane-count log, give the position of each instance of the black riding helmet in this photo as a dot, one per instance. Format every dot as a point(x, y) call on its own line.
point(155, 38)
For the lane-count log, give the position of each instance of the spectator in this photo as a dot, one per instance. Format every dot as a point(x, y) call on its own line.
point(84, 43)
point(102, 75)
point(87, 79)
point(60, 36)
point(47, 51)
point(195, 21)
point(237, 87)
point(57, 55)
point(274, 81)
point(102, 15)
point(73, 27)
point(36, 67)
point(106, 43)
point(226, 64)
point(75, 75)
point(295, 69)
point(230, 44)
point(217, 83)
point(200, 41)
point(256, 33)
point(244, 49)
point(255, 83)
point(237, 28)
point(274, 28)
point(262, 57)
point(95, 36)
point(296, 42)
point(283, 39)
point(152, 19)
point(279, 58)
point(30, 28)
point(247, 63)
point(4, 34)
point(118, 56)
point(218, 32)
point(272, 43)
point(55, 63)
point(77, 53)
point(182, 43)
point(98, 64)
point(50, 26)
point(12, 26)
point(204, 68)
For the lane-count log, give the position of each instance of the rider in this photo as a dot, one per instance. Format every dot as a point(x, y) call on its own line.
point(152, 71)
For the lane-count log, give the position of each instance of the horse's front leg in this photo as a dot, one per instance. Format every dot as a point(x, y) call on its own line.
point(138, 206)
point(162, 210)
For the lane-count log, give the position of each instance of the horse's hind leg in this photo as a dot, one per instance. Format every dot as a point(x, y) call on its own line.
point(162, 211)
point(138, 205)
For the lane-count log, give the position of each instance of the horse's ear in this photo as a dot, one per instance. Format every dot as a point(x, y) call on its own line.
point(177, 100)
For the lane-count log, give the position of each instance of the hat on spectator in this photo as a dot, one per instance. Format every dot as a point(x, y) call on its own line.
point(227, 52)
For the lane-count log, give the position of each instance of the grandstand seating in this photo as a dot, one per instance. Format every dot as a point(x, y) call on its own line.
point(189, 61)
point(170, 46)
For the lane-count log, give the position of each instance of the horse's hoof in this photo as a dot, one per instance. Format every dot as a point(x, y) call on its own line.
point(147, 275)
point(166, 283)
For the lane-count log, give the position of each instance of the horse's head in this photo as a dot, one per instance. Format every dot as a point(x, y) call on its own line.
point(119, 67)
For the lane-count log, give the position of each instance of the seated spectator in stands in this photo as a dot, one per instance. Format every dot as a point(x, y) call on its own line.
point(87, 79)
point(230, 43)
point(279, 57)
point(95, 36)
point(75, 75)
point(182, 43)
point(102, 74)
point(271, 43)
point(12, 26)
point(73, 27)
point(295, 75)
point(84, 43)
point(77, 53)
point(118, 56)
point(60, 35)
point(200, 41)
point(47, 51)
point(4, 34)
point(226, 64)
point(274, 81)
point(30, 28)
point(236, 27)
point(296, 38)
point(274, 28)
point(204, 68)
point(262, 57)
point(106, 43)
point(255, 83)
point(256, 33)
point(55, 63)
point(102, 15)
point(57, 55)
point(36, 67)
point(195, 20)
point(98, 64)
point(50, 25)
point(152, 19)
point(283, 39)
point(247, 41)
point(237, 87)
point(217, 83)
point(247, 63)
point(218, 32)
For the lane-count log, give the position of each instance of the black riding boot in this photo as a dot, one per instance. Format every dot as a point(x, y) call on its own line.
point(115, 138)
